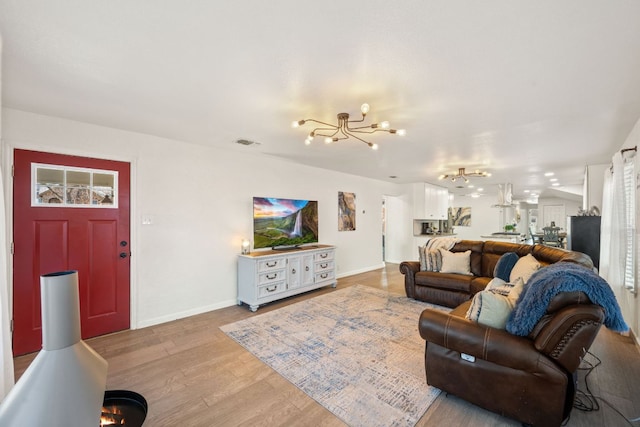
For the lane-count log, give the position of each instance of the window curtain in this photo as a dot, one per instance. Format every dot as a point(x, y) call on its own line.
point(618, 224)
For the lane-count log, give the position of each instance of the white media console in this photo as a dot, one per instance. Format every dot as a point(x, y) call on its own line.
point(271, 275)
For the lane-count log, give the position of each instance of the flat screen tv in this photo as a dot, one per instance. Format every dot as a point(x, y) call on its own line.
point(284, 223)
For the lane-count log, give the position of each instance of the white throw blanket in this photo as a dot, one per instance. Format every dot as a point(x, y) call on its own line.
point(430, 257)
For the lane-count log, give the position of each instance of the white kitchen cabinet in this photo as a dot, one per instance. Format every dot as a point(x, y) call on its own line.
point(271, 275)
point(430, 201)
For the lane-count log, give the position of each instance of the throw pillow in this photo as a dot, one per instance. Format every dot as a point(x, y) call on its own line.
point(499, 286)
point(430, 260)
point(455, 262)
point(505, 265)
point(434, 260)
point(525, 267)
point(422, 258)
point(492, 307)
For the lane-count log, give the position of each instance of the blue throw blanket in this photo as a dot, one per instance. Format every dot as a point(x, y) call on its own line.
point(562, 277)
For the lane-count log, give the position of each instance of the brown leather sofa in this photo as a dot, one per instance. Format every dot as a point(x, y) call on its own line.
point(530, 379)
point(451, 290)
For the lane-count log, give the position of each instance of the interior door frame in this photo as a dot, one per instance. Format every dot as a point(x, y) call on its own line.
point(8, 149)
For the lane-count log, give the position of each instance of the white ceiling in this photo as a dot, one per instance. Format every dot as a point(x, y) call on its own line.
point(513, 87)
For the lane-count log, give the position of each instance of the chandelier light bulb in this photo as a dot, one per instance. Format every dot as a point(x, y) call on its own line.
point(374, 146)
point(401, 132)
point(328, 140)
point(307, 141)
point(294, 124)
point(384, 125)
point(364, 108)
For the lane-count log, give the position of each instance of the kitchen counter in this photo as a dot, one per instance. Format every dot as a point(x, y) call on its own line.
point(513, 237)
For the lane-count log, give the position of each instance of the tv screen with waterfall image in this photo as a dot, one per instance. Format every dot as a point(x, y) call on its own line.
point(284, 223)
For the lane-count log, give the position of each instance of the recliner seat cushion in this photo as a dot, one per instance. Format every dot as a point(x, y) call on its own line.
point(448, 281)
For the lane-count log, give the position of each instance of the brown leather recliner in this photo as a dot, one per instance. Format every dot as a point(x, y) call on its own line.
point(530, 379)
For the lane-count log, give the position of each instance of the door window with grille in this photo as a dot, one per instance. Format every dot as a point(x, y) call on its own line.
point(64, 186)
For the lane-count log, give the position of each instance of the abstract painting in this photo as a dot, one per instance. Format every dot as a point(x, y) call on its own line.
point(346, 211)
point(460, 217)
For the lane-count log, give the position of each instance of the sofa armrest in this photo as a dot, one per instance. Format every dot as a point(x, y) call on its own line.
point(483, 342)
point(409, 269)
point(567, 335)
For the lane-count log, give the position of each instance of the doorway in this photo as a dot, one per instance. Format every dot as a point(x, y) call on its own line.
point(394, 229)
point(70, 213)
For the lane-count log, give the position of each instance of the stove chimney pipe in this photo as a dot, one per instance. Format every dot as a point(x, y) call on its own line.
point(65, 383)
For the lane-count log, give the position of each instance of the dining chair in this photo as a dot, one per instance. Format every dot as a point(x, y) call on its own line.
point(550, 236)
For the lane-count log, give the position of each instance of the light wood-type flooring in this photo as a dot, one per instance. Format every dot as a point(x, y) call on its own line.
point(193, 375)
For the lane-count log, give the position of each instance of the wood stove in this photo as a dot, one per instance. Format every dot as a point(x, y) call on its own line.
point(123, 408)
point(65, 384)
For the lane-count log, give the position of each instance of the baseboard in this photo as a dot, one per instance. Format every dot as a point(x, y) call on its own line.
point(183, 314)
point(635, 338)
point(224, 304)
point(361, 270)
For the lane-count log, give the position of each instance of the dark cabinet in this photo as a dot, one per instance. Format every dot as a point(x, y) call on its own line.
point(583, 235)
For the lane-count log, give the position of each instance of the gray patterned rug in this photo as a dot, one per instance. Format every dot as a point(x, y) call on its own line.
point(356, 351)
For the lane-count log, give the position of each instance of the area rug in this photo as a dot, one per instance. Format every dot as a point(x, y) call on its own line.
point(356, 351)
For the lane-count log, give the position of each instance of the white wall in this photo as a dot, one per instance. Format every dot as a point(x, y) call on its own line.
point(484, 218)
point(200, 203)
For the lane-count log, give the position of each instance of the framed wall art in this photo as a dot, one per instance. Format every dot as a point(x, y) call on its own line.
point(346, 211)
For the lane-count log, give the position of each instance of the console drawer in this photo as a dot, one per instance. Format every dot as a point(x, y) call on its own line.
point(270, 289)
point(324, 275)
point(272, 264)
point(323, 256)
point(271, 277)
point(324, 265)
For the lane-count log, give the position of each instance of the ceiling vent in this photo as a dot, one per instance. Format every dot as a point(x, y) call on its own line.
point(246, 142)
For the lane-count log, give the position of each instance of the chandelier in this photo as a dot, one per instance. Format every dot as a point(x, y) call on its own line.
point(343, 130)
point(463, 175)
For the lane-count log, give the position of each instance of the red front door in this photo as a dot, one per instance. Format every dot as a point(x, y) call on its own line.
point(63, 220)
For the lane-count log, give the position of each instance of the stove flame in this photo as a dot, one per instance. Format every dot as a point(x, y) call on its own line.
point(111, 416)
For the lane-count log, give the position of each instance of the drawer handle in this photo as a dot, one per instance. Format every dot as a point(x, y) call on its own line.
point(268, 264)
point(271, 290)
point(324, 255)
point(272, 277)
point(324, 275)
point(325, 265)
point(306, 268)
point(293, 271)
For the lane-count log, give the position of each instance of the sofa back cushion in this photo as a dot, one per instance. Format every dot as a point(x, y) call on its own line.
point(475, 246)
point(549, 255)
point(492, 252)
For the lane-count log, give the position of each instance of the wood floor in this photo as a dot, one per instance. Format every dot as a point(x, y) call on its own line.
point(193, 375)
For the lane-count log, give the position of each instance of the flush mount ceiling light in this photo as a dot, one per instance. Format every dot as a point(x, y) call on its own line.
point(343, 130)
point(462, 174)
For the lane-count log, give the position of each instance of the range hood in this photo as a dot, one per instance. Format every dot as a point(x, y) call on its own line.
point(505, 196)
point(65, 383)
